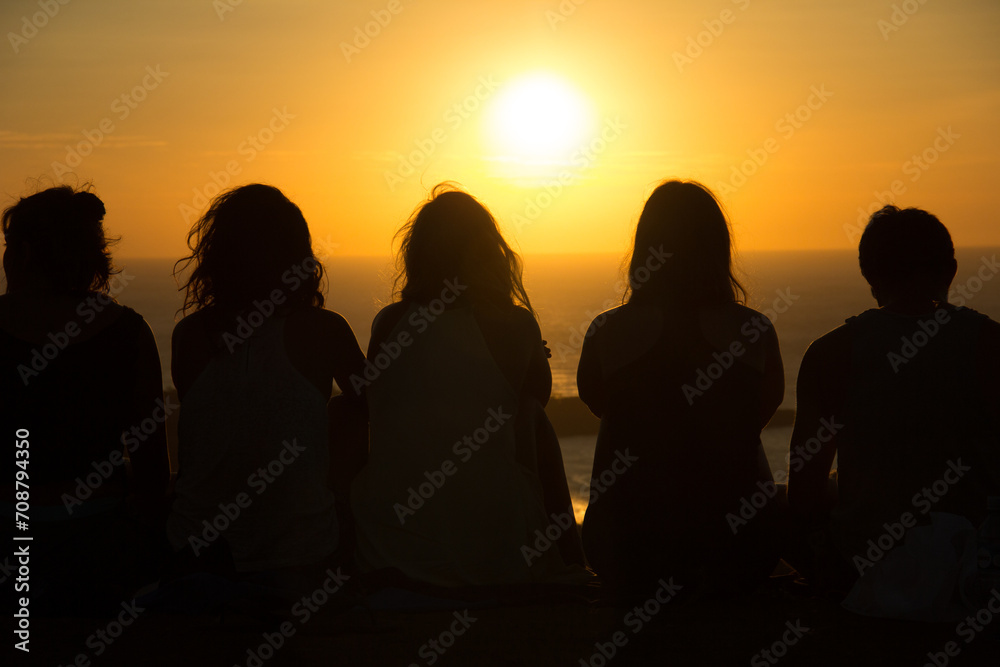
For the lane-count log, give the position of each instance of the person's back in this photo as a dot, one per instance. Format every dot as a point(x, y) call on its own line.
point(254, 367)
point(254, 426)
point(85, 384)
point(80, 385)
point(443, 462)
point(683, 384)
point(905, 396)
point(914, 417)
point(460, 474)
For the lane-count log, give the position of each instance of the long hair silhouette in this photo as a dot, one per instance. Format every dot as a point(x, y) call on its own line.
point(452, 235)
point(251, 241)
point(685, 219)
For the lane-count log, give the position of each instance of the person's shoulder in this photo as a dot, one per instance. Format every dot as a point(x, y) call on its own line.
point(507, 313)
point(615, 312)
point(107, 315)
point(832, 345)
point(132, 317)
point(393, 310)
point(968, 313)
point(507, 321)
point(320, 322)
point(990, 326)
point(196, 324)
point(737, 315)
point(512, 318)
point(389, 315)
point(989, 331)
point(191, 320)
point(523, 317)
point(609, 318)
point(320, 316)
point(135, 322)
point(124, 330)
point(739, 310)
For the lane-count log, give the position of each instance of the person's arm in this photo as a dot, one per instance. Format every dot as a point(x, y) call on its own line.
point(538, 376)
point(147, 452)
point(190, 352)
point(348, 359)
point(177, 348)
point(988, 365)
point(773, 390)
point(348, 411)
point(589, 373)
point(383, 324)
point(820, 381)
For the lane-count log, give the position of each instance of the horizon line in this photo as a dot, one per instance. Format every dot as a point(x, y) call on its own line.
point(577, 254)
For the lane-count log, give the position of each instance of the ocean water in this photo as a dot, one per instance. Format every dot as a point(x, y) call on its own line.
point(805, 294)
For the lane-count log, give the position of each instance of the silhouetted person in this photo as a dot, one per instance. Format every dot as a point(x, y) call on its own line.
point(254, 366)
point(906, 395)
point(683, 377)
point(464, 467)
point(81, 389)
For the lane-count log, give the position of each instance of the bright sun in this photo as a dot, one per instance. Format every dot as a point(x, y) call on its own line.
point(539, 119)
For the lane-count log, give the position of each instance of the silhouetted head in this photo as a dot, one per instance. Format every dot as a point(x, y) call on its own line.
point(683, 219)
point(250, 242)
point(56, 243)
point(907, 254)
point(450, 236)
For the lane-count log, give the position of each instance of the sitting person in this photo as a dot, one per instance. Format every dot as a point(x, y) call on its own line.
point(464, 470)
point(905, 395)
point(79, 381)
point(254, 366)
point(683, 377)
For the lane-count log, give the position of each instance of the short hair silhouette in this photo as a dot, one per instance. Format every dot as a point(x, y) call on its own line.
point(251, 241)
point(906, 248)
point(453, 235)
point(57, 237)
point(685, 219)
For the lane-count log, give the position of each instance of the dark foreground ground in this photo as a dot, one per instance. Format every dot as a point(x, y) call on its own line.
point(792, 627)
point(780, 624)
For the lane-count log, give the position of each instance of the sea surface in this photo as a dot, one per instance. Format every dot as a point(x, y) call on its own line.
point(805, 294)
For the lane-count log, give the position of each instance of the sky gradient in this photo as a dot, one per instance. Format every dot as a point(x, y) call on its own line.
point(800, 115)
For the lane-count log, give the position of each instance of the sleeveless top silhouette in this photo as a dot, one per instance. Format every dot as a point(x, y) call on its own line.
point(695, 458)
point(914, 417)
point(72, 407)
point(443, 498)
point(252, 424)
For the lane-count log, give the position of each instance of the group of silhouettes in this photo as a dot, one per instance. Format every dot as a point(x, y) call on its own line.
point(435, 462)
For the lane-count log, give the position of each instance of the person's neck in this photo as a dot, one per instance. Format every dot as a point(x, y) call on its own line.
point(911, 306)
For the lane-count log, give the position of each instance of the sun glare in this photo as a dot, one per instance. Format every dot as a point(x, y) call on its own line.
point(539, 119)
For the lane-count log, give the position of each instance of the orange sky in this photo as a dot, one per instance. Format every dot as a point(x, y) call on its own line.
point(285, 92)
